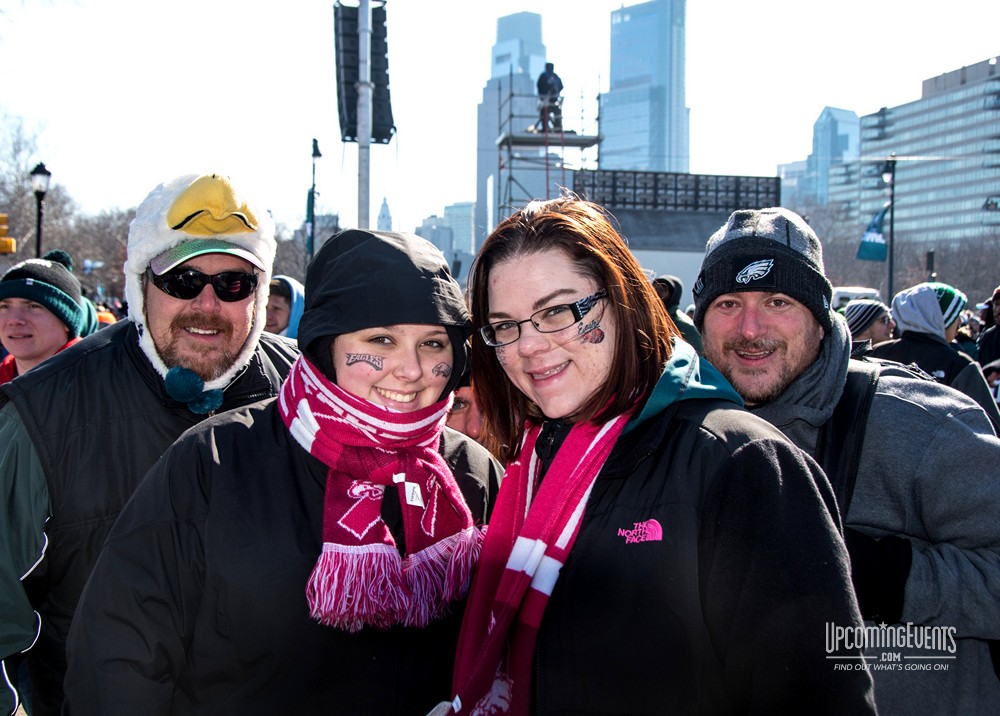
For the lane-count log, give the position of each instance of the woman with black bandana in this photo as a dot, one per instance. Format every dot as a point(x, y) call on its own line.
point(308, 553)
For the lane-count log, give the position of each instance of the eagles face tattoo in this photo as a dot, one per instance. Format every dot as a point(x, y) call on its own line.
point(442, 370)
point(501, 355)
point(374, 361)
point(591, 332)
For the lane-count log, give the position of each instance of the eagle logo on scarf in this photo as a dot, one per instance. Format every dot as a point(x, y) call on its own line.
point(755, 271)
point(357, 520)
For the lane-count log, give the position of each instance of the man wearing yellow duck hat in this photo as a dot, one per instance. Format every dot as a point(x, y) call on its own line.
point(78, 433)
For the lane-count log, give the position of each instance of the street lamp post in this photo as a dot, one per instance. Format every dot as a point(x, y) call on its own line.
point(40, 177)
point(889, 177)
point(311, 207)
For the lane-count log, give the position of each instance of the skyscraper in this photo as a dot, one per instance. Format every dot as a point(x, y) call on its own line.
point(518, 57)
point(643, 117)
point(384, 217)
point(948, 170)
point(459, 218)
point(836, 141)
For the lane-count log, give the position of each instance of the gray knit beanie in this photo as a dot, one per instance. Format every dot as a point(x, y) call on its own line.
point(771, 250)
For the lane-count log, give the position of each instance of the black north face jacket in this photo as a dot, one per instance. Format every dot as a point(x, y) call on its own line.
point(706, 570)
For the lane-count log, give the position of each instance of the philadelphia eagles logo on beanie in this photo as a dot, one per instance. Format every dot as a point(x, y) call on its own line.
point(755, 271)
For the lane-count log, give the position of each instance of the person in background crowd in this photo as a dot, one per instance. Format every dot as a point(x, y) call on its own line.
point(96, 317)
point(285, 303)
point(967, 335)
point(40, 313)
point(642, 511)
point(927, 316)
point(921, 526)
point(868, 319)
point(465, 415)
point(307, 554)
point(989, 339)
point(670, 289)
point(991, 371)
point(105, 316)
point(78, 432)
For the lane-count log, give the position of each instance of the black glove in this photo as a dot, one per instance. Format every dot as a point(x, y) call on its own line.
point(879, 568)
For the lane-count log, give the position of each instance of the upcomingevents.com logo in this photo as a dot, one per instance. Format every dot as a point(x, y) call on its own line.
point(896, 636)
point(896, 647)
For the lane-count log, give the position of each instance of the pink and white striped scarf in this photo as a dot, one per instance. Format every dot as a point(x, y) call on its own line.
point(360, 579)
point(529, 537)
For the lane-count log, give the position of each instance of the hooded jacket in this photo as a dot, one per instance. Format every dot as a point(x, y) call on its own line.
point(927, 478)
point(296, 303)
point(77, 434)
point(922, 341)
point(676, 591)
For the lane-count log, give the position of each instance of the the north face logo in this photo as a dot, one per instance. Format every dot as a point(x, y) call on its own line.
point(648, 531)
point(755, 271)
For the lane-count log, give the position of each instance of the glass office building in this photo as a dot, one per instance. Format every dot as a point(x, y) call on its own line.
point(518, 57)
point(947, 152)
point(643, 118)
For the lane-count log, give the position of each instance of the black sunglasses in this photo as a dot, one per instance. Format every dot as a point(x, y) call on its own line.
point(186, 283)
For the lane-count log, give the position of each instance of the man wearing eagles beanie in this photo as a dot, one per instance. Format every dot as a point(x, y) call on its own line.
point(40, 313)
point(920, 526)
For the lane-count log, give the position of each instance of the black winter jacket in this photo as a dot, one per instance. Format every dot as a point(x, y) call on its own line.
point(707, 570)
point(98, 417)
point(219, 623)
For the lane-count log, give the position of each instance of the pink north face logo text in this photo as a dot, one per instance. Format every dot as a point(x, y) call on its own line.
point(648, 531)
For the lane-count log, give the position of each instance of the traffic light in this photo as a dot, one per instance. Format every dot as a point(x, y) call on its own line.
point(7, 244)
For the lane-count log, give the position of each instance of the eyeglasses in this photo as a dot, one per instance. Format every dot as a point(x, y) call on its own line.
point(887, 319)
point(546, 320)
point(186, 283)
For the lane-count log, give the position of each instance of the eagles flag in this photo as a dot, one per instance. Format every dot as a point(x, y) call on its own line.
point(873, 246)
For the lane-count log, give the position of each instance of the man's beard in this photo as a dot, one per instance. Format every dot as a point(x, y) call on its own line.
point(755, 395)
point(208, 365)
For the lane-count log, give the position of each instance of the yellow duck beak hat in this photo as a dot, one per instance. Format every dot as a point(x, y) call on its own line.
point(187, 217)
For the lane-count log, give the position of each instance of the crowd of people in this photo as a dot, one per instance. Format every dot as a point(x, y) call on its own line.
point(553, 493)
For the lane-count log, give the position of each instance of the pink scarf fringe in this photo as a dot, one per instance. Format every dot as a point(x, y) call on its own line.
point(413, 591)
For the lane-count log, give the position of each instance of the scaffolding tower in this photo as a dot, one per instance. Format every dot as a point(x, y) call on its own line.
point(532, 154)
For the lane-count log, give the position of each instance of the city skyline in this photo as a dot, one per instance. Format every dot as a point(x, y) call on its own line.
point(227, 86)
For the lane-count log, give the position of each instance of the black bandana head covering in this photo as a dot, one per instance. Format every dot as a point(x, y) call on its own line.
point(360, 279)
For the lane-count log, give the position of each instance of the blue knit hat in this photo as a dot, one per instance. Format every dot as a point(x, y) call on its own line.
point(49, 283)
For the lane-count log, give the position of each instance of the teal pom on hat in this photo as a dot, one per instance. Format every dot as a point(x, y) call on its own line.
point(186, 386)
point(60, 256)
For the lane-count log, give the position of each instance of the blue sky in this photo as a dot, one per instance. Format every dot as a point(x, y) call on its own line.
point(124, 94)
